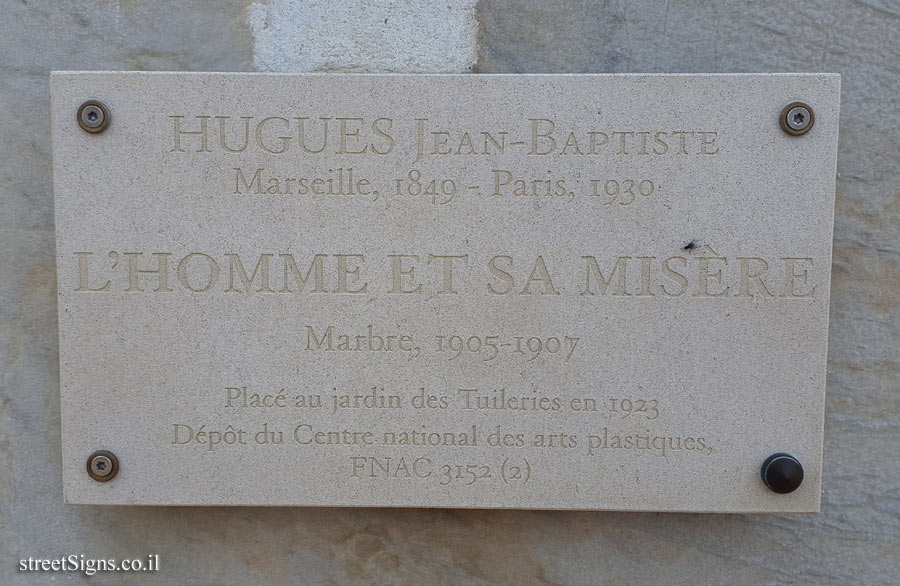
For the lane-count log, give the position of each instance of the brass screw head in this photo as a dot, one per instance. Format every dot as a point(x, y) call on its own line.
point(102, 466)
point(797, 118)
point(93, 116)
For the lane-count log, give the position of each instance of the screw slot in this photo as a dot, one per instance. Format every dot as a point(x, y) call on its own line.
point(102, 466)
point(797, 119)
point(93, 116)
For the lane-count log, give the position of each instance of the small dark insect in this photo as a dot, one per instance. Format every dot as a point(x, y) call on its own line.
point(690, 245)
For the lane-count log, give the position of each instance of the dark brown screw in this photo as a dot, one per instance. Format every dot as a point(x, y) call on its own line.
point(93, 116)
point(797, 118)
point(102, 466)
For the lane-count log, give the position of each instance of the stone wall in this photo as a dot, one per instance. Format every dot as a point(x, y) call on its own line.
point(856, 538)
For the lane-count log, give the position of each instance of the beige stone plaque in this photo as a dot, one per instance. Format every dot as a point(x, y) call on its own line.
point(519, 291)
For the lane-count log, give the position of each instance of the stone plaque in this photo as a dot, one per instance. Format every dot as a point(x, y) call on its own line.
point(522, 291)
